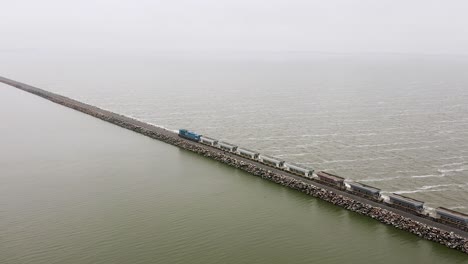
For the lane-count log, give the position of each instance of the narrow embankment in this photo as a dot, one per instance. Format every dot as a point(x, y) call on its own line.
point(421, 227)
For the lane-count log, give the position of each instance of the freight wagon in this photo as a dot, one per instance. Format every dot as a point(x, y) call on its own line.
point(406, 203)
point(365, 191)
point(208, 141)
point(271, 161)
point(299, 170)
point(227, 146)
point(452, 218)
point(331, 179)
point(248, 153)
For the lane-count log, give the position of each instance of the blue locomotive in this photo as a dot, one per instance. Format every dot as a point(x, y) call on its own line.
point(189, 135)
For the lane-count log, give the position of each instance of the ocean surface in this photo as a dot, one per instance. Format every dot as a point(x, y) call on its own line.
point(396, 122)
point(74, 189)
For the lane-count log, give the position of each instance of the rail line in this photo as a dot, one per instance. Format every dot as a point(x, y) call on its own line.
point(147, 129)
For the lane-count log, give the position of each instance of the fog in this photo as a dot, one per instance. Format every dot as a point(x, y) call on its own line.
point(340, 26)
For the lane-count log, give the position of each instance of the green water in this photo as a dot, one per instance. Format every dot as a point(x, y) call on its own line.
point(74, 189)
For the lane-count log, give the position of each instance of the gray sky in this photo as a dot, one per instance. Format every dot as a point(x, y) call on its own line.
point(400, 26)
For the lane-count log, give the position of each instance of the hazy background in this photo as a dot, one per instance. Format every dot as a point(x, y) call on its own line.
point(374, 91)
point(367, 26)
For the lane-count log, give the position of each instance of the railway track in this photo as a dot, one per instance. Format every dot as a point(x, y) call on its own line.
point(136, 125)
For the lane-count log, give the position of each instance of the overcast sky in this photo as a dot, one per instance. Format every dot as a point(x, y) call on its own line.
point(396, 26)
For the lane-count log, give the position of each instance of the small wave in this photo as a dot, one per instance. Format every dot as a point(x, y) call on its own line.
point(405, 171)
point(431, 188)
point(403, 149)
point(419, 190)
point(397, 143)
point(428, 176)
point(320, 135)
point(403, 176)
point(455, 157)
point(380, 179)
point(452, 164)
point(360, 135)
point(294, 155)
point(459, 121)
point(427, 187)
point(457, 207)
point(451, 170)
point(354, 160)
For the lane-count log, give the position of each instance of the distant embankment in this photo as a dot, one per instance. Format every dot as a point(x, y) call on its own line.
point(424, 228)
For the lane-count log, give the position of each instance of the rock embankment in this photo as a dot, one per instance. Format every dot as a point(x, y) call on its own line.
point(448, 239)
point(428, 232)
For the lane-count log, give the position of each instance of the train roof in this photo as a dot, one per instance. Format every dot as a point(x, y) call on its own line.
point(227, 144)
point(406, 199)
point(249, 150)
point(209, 138)
point(452, 213)
point(270, 157)
point(330, 176)
point(188, 131)
point(364, 186)
point(298, 166)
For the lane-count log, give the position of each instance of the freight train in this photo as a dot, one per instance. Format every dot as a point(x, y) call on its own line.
point(413, 206)
point(247, 153)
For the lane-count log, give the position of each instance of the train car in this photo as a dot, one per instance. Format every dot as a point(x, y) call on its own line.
point(331, 179)
point(248, 153)
point(184, 133)
point(406, 203)
point(365, 191)
point(452, 217)
point(299, 170)
point(271, 161)
point(208, 141)
point(227, 146)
